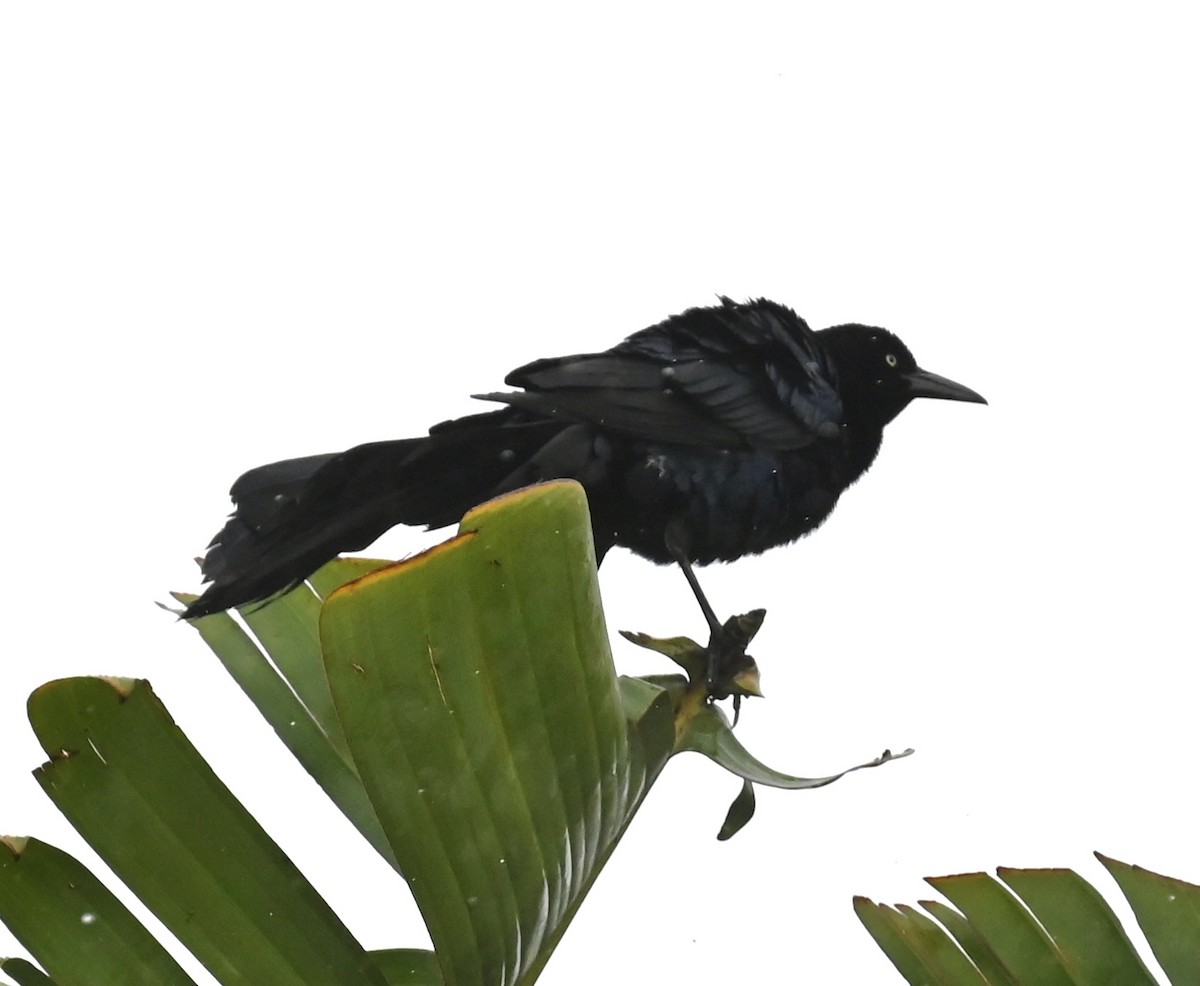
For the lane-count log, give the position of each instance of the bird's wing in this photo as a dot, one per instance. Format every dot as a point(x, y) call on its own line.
point(732, 376)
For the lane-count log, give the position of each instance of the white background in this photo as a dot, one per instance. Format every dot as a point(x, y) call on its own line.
point(234, 233)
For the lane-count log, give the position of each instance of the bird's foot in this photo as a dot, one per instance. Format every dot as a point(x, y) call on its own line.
point(729, 670)
point(723, 669)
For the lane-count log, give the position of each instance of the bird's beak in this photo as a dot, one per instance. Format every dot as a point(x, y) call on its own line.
point(922, 383)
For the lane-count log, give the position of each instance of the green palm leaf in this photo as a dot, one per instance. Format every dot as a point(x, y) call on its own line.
point(1046, 927)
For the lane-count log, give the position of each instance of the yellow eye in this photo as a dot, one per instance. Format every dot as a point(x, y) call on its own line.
point(890, 360)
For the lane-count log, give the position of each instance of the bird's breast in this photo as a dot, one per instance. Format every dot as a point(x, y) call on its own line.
point(728, 503)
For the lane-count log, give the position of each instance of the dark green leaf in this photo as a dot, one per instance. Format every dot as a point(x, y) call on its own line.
point(1093, 944)
point(1168, 911)
point(939, 950)
point(1016, 938)
point(72, 924)
point(479, 699)
point(740, 812)
point(300, 732)
point(914, 949)
point(137, 790)
point(971, 942)
point(25, 974)
point(709, 732)
point(408, 966)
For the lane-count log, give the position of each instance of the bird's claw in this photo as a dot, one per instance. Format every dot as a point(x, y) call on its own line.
point(730, 671)
point(723, 669)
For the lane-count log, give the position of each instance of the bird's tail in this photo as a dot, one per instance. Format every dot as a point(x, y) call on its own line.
point(293, 516)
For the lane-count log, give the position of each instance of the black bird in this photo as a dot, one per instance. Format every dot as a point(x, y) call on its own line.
point(717, 433)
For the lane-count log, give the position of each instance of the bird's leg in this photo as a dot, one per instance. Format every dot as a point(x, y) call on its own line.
point(726, 641)
point(677, 546)
point(714, 625)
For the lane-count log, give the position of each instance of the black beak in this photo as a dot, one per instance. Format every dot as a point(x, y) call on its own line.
point(922, 383)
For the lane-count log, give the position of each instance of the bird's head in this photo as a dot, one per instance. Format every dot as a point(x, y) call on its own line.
point(878, 376)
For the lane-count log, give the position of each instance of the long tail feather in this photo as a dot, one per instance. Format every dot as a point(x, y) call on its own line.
point(293, 516)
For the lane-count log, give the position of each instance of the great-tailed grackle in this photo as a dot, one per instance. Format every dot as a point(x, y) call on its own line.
point(717, 433)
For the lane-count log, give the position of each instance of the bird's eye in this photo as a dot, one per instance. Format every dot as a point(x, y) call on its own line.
point(890, 359)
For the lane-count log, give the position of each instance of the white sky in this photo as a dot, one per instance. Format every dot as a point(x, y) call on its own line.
point(240, 232)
